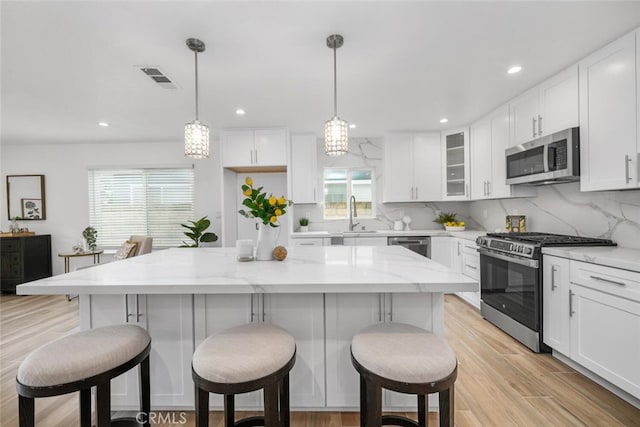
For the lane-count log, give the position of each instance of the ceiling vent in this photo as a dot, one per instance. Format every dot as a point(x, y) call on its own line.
point(159, 77)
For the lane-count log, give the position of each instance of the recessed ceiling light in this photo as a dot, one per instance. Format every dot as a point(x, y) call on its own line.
point(103, 124)
point(240, 112)
point(444, 120)
point(352, 126)
point(514, 69)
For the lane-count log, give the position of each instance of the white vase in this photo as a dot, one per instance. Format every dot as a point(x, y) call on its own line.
point(304, 228)
point(266, 242)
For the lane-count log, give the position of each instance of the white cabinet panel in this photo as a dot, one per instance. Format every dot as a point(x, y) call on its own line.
point(311, 241)
point(253, 147)
point(608, 117)
point(236, 147)
point(605, 336)
point(455, 161)
point(303, 170)
point(556, 330)
point(442, 249)
point(270, 147)
point(524, 114)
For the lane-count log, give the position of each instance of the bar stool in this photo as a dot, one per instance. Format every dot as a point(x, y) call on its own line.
point(81, 361)
point(406, 359)
point(246, 358)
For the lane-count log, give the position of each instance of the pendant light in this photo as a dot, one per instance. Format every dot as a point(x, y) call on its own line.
point(336, 139)
point(196, 135)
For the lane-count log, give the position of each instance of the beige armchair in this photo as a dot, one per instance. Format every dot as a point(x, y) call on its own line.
point(144, 245)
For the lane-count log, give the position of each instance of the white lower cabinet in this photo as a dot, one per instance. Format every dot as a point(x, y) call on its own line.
point(470, 266)
point(308, 241)
point(556, 331)
point(169, 320)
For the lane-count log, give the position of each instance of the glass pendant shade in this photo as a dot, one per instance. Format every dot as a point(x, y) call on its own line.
point(196, 140)
point(336, 138)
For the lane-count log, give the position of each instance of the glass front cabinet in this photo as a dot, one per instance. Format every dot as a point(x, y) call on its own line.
point(455, 152)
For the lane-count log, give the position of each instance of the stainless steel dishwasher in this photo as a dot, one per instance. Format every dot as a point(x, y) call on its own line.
point(419, 244)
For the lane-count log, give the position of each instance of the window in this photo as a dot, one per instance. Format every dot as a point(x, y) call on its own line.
point(340, 185)
point(151, 202)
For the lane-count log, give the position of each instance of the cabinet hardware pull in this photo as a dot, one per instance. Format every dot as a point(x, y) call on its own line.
point(256, 156)
point(602, 279)
point(390, 307)
point(458, 248)
point(473, 267)
point(466, 190)
point(251, 154)
point(263, 313)
point(126, 308)
point(485, 187)
point(533, 125)
point(489, 188)
point(539, 125)
point(553, 278)
point(251, 308)
point(380, 309)
point(416, 193)
point(138, 314)
point(307, 244)
point(571, 312)
point(314, 194)
point(627, 160)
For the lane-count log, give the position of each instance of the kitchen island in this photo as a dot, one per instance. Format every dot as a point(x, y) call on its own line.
point(321, 295)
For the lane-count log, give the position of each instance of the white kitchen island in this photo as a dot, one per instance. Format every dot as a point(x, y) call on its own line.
point(321, 295)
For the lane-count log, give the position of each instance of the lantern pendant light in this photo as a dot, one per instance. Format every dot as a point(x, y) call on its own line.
point(336, 139)
point(196, 134)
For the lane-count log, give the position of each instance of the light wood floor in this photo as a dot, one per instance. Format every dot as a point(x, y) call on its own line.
point(500, 382)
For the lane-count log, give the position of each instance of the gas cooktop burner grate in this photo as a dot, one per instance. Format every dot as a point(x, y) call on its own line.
point(548, 239)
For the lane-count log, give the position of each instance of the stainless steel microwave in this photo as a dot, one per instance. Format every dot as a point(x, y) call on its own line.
point(551, 159)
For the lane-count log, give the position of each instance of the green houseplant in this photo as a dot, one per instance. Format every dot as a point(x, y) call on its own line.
point(90, 235)
point(304, 224)
point(197, 233)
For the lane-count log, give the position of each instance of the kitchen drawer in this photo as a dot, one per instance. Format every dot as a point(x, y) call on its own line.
point(471, 265)
point(316, 241)
point(622, 283)
point(470, 248)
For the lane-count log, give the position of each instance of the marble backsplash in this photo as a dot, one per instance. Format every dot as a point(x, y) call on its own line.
point(559, 208)
point(563, 209)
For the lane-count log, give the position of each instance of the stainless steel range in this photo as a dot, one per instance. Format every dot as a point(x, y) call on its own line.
point(511, 280)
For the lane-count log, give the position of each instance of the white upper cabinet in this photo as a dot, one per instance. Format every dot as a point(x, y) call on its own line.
point(455, 160)
point(412, 168)
point(547, 108)
point(303, 170)
point(609, 117)
point(254, 147)
point(489, 138)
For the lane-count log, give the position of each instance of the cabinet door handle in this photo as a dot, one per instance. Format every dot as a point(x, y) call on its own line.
point(539, 125)
point(307, 244)
point(390, 307)
point(126, 309)
point(466, 190)
point(380, 308)
point(417, 193)
point(251, 154)
point(256, 150)
point(571, 312)
point(533, 126)
point(473, 267)
point(314, 194)
point(627, 161)
point(253, 313)
point(489, 188)
point(263, 313)
point(138, 314)
point(553, 278)
point(458, 248)
point(602, 279)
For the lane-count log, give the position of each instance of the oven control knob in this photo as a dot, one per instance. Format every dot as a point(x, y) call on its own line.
point(529, 251)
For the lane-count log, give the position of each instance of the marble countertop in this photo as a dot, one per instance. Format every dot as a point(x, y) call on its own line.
point(466, 234)
point(322, 269)
point(617, 257)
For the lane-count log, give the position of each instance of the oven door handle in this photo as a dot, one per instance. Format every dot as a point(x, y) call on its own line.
point(533, 263)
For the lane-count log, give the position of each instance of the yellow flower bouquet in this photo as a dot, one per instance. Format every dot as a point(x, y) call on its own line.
point(268, 209)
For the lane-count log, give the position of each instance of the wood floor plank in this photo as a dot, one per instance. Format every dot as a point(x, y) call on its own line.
point(500, 382)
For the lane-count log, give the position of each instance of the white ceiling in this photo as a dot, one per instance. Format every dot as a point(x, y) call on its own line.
point(404, 65)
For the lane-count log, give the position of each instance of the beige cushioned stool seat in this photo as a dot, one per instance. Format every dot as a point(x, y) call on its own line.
point(403, 353)
point(82, 355)
point(244, 353)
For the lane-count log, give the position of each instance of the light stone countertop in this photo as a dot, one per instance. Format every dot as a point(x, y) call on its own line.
point(466, 234)
point(616, 257)
point(322, 269)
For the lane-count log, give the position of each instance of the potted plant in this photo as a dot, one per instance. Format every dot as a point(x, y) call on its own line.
point(448, 219)
point(304, 224)
point(90, 237)
point(197, 233)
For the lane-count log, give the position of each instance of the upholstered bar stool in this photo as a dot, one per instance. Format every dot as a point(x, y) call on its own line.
point(255, 356)
point(406, 359)
point(81, 361)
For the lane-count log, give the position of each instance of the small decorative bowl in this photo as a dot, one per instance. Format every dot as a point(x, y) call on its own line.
point(454, 227)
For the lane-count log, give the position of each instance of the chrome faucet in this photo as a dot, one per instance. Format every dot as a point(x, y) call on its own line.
point(352, 213)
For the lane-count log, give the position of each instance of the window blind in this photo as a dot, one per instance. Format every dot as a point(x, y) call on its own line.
point(150, 202)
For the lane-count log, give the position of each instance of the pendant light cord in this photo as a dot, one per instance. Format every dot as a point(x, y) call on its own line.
point(335, 85)
point(196, 54)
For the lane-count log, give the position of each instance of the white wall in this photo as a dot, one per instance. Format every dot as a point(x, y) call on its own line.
point(65, 169)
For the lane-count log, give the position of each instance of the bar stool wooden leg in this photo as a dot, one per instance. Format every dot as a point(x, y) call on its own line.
point(374, 404)
point(85, 407)
point(285, 415)
point(145, 390)
point(202, 407)
point(229, 410)
point(271, 405)
point(103, 404)
point(363, 402)
point(423, 420)
point(27, 411)
point(446, 407)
